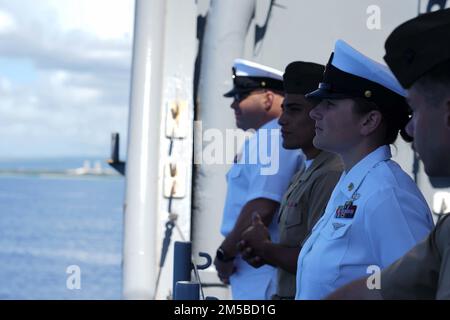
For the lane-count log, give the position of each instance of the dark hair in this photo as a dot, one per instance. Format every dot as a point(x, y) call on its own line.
point(435, 83)
point(395, 117)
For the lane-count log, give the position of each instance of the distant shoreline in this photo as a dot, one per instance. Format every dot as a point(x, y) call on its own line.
point(55, 174)
point(69, 167)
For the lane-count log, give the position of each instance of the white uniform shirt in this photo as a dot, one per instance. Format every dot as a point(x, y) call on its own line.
point(248, 180)
point(391, 217)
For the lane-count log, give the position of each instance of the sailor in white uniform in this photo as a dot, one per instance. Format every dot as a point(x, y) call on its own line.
point(376, 213)
point(258, 178)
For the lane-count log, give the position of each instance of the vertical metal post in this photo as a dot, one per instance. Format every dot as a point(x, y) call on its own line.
point(223, 42)
point(142, 179)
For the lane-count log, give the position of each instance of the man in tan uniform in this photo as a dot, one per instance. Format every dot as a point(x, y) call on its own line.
point(309, 191)
point(418, 52)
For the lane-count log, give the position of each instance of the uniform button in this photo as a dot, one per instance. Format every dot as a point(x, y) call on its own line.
point(350, 186)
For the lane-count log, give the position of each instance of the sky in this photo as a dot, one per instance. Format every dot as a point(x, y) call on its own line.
point(64, 76)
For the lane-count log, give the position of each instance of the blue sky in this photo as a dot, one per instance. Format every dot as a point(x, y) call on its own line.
point(64, 76)
point(18, 70)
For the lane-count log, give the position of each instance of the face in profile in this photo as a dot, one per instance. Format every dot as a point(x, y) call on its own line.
point(336, 125)
point(429, 126)
point(297, 127)
point(249, 109)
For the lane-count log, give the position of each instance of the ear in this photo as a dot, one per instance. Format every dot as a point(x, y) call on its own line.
point(370, 122)
point(269, 98)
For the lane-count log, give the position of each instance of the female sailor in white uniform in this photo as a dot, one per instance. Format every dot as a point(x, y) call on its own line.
point(376, 213)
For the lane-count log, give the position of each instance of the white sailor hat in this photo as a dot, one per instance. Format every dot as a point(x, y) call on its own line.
point(249, 76)
point(350, 74)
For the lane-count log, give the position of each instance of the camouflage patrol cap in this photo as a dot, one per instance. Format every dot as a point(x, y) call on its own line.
point(302, 77)
point(418, 45)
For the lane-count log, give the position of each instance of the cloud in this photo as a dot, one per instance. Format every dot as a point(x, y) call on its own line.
point(7, 22)
point(79, 93)
point(5, 86)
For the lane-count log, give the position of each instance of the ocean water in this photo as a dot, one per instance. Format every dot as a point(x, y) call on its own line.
point(48, 224)
point(52, 164)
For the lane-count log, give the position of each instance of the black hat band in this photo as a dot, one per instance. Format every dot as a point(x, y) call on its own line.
point(343, 84)
point(243, 83)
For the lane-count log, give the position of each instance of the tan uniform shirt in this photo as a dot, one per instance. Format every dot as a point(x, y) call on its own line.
point(424, 272)
point(303, 204)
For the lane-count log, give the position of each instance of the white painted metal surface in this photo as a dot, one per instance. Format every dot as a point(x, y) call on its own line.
point(141, 202)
